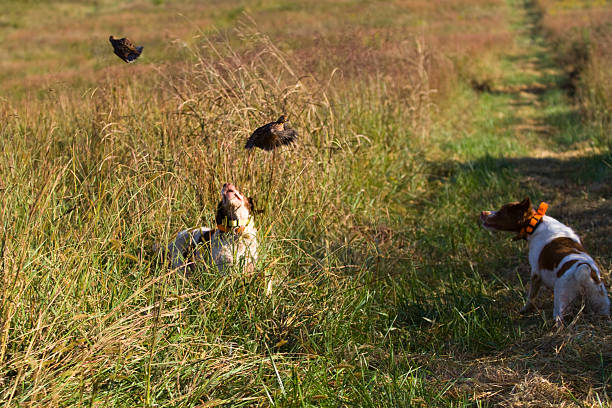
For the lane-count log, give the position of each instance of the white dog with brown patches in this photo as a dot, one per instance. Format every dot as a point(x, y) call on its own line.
point(556, 256)
point(233, 242)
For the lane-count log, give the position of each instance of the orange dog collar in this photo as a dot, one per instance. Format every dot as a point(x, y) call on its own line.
point(235, 230)
point(534, 221)
point(233, 226)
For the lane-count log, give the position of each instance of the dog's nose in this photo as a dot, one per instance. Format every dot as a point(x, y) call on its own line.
point(484, 214)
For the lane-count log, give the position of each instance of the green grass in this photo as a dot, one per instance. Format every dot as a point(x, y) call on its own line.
point(387, 292)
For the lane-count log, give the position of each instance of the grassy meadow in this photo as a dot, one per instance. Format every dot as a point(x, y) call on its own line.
point(413, 117)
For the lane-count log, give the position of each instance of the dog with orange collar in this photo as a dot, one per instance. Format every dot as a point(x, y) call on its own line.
point(556, 256)
point(232, 243)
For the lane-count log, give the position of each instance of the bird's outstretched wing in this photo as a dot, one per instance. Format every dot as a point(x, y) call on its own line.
point(261, 138)
point(284, 137)
point(268, 137)
point(133, 55)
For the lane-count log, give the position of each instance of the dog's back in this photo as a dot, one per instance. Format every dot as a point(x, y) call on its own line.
point(190, 245)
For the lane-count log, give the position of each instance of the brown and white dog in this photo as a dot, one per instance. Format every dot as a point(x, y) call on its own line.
point(556, 256)
point(233, 242)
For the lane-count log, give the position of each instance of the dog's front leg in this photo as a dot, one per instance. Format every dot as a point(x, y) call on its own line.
point(532, 293)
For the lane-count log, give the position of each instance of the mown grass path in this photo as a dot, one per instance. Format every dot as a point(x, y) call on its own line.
point(561, 163)
point(527, 140)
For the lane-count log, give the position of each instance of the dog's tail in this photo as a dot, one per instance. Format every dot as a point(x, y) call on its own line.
point(586, 274)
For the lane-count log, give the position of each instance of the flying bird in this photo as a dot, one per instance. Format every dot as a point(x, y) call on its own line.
point(272, 135)
point(125, 49)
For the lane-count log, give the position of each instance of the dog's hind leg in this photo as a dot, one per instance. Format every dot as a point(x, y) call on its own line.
point(594, 289)
point(532, 293)
point(598, 299)
point(565, 292)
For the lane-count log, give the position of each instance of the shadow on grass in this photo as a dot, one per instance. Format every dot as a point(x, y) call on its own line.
point(578, 188)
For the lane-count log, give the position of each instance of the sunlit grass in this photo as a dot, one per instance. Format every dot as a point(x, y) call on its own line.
point(386, 291)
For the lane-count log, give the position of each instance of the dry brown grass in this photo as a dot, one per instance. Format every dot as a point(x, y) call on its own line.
point(372, 41)
point(560, 368)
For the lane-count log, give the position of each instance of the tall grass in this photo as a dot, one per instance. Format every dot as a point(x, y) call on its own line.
point(385, 293)
point(581, 36)
point(90, 316)
point(595, 88)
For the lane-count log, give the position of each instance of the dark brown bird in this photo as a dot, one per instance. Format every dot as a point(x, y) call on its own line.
point(272, 135)
point(125, 49)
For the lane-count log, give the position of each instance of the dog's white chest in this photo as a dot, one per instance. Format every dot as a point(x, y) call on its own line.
point(229, 249)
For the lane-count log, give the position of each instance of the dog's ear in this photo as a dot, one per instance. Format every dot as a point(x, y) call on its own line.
point(220, 216)
point(252, 208)
point(525, 204)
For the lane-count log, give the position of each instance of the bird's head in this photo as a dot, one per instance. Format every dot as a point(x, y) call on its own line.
point(282, 119)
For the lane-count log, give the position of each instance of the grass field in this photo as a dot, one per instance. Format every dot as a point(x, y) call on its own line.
point(413, 117)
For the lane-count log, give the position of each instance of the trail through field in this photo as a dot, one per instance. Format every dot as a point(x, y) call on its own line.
point(562, 165)
point(546, 367)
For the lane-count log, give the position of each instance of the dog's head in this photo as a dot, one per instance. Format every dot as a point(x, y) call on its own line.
point(511, 217)
point(233, 205)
